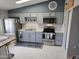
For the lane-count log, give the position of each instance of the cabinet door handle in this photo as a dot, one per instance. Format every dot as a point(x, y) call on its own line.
point(20, 35)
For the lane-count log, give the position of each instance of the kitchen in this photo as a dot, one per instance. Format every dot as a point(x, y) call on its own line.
point(37, 25)
point(26, 15)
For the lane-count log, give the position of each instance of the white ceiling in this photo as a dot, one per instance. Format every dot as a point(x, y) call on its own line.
point(11, 4)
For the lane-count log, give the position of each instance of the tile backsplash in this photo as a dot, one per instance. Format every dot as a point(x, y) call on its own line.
point(31, 25)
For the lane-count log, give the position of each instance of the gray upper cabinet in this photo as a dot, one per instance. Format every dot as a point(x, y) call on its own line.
point(3, 14)
point(52, 14)
point(27, 14)
point(22, 19)
point(40, 18)
point(22, 16)
point(60, 18)
point(76, 2)
point(33, 14)
point(45, 14)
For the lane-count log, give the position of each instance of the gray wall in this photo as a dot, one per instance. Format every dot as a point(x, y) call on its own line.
point(41, 7)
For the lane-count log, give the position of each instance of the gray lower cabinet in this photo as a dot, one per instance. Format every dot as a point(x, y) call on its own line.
point(39, 37)
point(59, 39)
point(30, 36)
point(26, 35)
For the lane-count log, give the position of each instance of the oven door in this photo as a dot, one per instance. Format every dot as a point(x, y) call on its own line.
point(49, 33)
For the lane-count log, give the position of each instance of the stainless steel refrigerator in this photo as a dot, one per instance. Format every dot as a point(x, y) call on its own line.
point(10, 25)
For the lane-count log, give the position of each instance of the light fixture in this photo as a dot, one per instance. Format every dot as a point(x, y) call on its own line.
point(21, 1)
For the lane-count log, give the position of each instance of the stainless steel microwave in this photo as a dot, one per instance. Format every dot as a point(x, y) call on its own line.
point(49, 20)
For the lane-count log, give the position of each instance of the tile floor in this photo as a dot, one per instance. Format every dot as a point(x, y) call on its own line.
point(46, 52)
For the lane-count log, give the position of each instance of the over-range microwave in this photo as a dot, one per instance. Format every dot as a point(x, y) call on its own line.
point(50, 20)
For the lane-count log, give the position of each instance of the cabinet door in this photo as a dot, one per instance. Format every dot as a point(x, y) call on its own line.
point(22, 19)
point(76, 2)
point(27, 14)
point(40, 18)
point(33, 17)
point(32, 36)
point(60, 17)
point(45, 15)
point(59, 39)
point(26, 36)
point(39, 37)
point(52, 14)
point(33, 14)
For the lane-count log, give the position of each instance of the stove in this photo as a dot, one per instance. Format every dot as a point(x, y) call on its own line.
point(49, 33)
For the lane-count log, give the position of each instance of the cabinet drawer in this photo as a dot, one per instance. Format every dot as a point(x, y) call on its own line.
point(58, 42)
point(26, 36)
